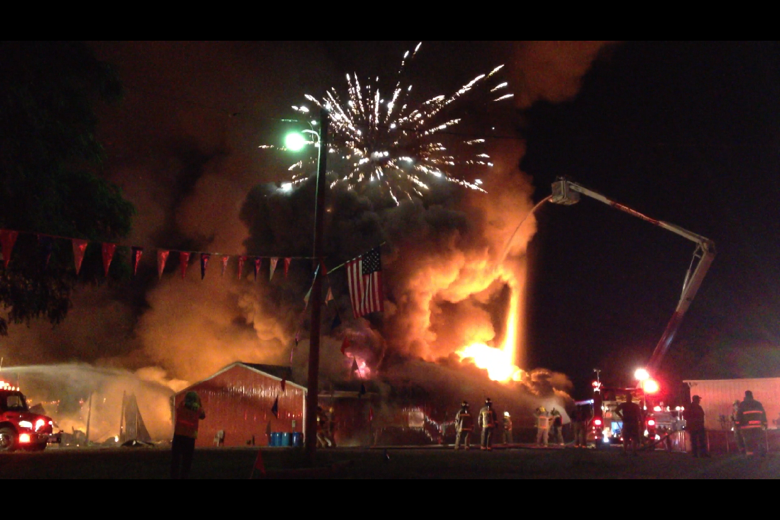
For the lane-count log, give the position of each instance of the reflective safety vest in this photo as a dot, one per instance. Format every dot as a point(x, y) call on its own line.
point(751, 415)
point(464, 421)
point(187, 421)
point(487, 417)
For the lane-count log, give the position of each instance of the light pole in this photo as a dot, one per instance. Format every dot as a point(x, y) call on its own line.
point(310, 426)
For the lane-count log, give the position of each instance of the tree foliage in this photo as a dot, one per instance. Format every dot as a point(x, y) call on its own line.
point(50, 174)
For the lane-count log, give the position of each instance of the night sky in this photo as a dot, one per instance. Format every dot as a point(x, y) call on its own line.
point(685, 132)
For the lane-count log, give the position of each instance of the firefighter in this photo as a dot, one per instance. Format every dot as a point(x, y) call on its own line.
point(542, 426)
point(694, 423)
point(557, 426)
point(580, 421)
point(507, 429)
point(189, 413)
point(487, 421)
point(752, 423)
point(331, 429)
point(631, 415)
point(464, 425)
point(740, 441)
point(322, 429)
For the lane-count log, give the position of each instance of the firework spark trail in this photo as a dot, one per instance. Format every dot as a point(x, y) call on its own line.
point(388, 144)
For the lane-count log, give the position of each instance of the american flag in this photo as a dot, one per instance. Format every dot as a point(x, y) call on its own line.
point(364, 276)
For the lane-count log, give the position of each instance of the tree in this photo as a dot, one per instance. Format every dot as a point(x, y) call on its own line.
point(50, 176)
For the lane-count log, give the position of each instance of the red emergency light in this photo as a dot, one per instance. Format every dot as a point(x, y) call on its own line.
point(651, 422)
point(650, 386)
point(597, 421)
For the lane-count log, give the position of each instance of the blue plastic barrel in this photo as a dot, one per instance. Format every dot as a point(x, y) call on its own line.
point(297, 439)
point(276, 439)
point(286, 439)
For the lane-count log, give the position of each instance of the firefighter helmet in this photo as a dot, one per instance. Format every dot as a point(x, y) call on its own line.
point(191, 397)
point(488, 401)
point(464, 404)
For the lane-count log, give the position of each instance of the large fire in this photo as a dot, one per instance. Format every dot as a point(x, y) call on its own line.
point(499, 362)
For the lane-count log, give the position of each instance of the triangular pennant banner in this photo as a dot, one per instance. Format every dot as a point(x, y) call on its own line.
point(204, 262)
point(275, 407)
point(162, 257)
point(355, 366)
point(286, 266)
point(273, 267)
point(258, 262)
point(184, 259)
point(8, 239)
point(137, 253)
point(329, 296)
point(225, 259)
point(79, 246)
point(108, 255)
point(241, 260)
point(306, 298)
point(362, 389)
point(46, 245)
point(284, 382)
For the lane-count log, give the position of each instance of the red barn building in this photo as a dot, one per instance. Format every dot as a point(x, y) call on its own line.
point(238, 401)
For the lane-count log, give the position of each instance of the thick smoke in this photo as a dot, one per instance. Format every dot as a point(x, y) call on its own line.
point(183, 147)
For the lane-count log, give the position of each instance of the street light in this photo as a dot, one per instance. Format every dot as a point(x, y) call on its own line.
point(310, 425)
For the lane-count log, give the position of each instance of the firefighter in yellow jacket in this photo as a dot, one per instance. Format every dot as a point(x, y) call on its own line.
point(487, 421)
point(188, 414)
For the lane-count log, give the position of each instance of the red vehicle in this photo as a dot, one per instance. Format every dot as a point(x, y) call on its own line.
point(21, 429)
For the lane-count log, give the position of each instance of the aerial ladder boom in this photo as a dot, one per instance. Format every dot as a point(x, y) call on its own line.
point(567, 193)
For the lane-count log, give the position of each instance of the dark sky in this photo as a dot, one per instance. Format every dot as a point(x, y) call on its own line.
point(685, 132)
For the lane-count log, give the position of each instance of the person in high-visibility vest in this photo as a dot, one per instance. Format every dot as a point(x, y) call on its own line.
point(189, 413)
point(508, 429)
point(543, 421)
point(752, 423)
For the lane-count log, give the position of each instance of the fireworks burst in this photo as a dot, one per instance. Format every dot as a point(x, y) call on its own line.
point(391, 145)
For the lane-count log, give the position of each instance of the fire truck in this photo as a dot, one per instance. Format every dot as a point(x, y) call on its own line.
point(21, 429)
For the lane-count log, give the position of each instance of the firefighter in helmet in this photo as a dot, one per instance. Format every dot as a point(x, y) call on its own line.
point(487, 421)
point(543, 420)
point(752, 423)
point(464, 425)
point(507, 429)
point(322, 429)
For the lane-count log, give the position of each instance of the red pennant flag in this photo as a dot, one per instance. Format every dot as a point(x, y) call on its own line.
point(79, 246)
point(8, 239)
point(259, 462)
point(355, 367)
point(225, 259)
point(273, 267)
point(284, 381)
point(258, 261)
point(329, 296)
point(162, 257)
point(108, 255)
point(345, 345)
point(204, 261)
point(275, 407)
point(286, 265)
point(324, 269)
point(137, 252)
point(241, 260)
point(184, 259)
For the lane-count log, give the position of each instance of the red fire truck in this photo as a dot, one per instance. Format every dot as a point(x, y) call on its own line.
point(21, 429)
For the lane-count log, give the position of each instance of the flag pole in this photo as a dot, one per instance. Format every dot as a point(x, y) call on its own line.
point(310, 431)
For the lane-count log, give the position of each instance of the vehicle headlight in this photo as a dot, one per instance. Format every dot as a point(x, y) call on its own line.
point(26, 424)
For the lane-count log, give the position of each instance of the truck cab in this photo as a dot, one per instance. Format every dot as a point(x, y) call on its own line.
point(21, 429)
point(608, 426)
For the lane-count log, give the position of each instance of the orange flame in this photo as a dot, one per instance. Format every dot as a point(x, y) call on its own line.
point(499, 362)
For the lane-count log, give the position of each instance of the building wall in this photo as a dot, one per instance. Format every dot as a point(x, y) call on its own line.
point(239, 401)
point(718, 395)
